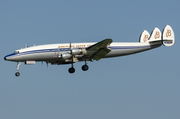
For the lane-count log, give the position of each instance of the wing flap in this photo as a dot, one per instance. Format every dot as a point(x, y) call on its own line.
point(99, 50)
point(100, 54)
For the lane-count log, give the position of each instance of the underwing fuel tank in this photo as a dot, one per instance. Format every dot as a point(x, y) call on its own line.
point(30, 62)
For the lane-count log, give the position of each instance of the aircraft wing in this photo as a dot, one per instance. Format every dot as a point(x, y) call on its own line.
point(99, 50)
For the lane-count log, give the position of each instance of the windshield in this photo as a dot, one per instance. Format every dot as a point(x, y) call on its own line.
point(16, 51)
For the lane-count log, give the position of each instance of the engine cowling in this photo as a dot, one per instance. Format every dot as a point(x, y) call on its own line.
point(66, 56)
point(78, 51)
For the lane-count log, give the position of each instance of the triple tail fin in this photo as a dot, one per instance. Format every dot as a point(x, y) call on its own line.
point(168, 36)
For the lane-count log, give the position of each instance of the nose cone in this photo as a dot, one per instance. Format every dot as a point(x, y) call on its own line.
point(10, 57)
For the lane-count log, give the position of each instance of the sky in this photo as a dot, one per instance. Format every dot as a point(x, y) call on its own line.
point(143, 85)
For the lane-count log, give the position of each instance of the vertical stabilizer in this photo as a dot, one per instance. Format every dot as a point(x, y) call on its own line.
point(144, 36)
point(168, 36)
point(155, 35)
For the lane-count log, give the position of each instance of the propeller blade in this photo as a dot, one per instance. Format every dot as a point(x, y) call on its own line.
point(59, 53)
point(71, 51)
point(42, 64)
point(70, 48)
point(47, 64)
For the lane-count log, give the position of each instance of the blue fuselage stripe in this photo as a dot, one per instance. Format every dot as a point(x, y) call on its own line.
point(67, 49)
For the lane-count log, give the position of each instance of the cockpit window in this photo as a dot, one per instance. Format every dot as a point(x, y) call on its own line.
point(16, 51)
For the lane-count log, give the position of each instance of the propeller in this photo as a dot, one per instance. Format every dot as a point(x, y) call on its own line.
point(68, 54)
point(59, 53)
point(47, 64)
point(70, 49)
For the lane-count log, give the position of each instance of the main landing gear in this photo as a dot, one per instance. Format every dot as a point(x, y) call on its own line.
point(17, 73)
point(84, 68)
point(71, 70)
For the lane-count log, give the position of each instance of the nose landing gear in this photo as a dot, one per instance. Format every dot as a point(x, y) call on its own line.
point(17, 73)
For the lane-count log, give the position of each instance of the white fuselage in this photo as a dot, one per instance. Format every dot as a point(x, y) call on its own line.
point(50, 52)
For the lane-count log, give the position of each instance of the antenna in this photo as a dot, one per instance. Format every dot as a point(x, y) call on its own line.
point(26, 46)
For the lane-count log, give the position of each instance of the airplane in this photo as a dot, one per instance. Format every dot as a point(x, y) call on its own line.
point(69, 53)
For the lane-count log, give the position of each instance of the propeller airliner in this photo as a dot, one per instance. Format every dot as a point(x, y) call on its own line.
point(69, 53)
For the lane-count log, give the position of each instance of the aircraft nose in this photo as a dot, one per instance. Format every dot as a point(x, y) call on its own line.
point(4, 58)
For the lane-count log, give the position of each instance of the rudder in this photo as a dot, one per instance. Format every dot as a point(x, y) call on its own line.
point(168, 36)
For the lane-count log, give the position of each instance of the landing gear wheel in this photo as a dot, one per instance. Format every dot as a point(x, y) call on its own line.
point(71, 70)
point(17, 74)
point(85, 67)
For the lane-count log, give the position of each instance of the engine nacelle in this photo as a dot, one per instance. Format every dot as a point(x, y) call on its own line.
point(66, 56)
point(78, 51)
point(78, 56)
point(30, 62)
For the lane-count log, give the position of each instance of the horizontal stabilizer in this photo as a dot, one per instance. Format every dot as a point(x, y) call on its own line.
point(144, 36)
point(168, 36)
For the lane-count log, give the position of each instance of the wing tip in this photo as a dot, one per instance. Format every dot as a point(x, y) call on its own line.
point(109, 39)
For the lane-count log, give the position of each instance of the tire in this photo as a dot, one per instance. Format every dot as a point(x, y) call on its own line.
point(85, 67)
point(17, 74)
point(71, 70)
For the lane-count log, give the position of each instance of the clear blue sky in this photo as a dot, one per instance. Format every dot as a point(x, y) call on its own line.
point(140, 86)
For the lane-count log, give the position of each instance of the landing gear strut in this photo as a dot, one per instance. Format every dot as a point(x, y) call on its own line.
point(85, 67)
point(71, 70)
point(17, 73)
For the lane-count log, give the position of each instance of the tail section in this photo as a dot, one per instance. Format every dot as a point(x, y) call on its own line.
point(144, 36)
point(168, 36)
